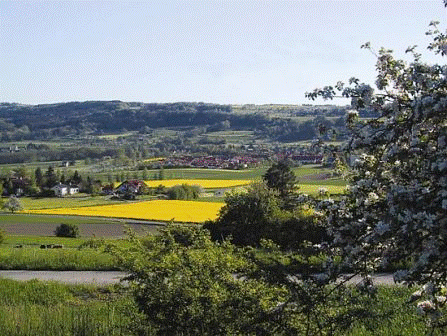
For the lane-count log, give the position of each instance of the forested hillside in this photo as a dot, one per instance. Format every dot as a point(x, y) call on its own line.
point(278, 122)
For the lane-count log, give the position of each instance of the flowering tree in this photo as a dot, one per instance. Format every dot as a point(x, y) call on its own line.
point(13, 204)
point(396, 208)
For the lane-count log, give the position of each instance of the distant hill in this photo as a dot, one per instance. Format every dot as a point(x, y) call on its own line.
point(32, 122)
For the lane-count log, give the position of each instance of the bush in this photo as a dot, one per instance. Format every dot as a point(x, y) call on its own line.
point(67, 230)
point(183, 192)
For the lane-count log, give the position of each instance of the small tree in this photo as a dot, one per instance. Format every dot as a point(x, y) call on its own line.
point(67, 230)
point(13, 204)
point(247, 217)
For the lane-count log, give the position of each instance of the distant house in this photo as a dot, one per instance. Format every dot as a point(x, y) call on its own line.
point(131, 186)
point(20, 185)
point(108, 189)
point(67, 163)
point(61, 190)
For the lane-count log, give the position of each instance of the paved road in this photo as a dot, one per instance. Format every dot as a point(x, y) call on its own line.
point(73, 277)
point(105, 278)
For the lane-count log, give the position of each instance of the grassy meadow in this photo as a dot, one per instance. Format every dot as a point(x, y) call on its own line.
point(51, 308)
point(31, 203)
point(66, 259)
point(24, 252)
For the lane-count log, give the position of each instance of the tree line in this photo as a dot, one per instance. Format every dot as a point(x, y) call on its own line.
point(33, 122)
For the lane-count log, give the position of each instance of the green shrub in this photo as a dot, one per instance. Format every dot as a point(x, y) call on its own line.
point(67, 230)
point(183, 192)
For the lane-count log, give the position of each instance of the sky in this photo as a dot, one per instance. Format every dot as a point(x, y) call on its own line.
point(225, 52)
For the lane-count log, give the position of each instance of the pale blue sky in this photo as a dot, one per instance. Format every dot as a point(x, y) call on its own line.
point(229, 52)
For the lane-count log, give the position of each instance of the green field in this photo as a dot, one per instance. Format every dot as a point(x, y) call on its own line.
point(202, 173)
point(50, 308)
point(29, 203)
point(47, 219)
point(22, 252)
point(65, 259)
point(232, 137)
point(36, 241)
point(225, 174)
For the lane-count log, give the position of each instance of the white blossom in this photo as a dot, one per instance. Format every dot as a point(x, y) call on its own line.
point(415, 296)
point(382, 228)
point(425, 307)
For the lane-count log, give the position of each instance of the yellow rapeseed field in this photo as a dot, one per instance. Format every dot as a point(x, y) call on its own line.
point(207, 184)
point(158, 210)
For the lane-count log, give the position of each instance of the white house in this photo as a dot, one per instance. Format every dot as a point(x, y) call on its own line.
point(61, 190)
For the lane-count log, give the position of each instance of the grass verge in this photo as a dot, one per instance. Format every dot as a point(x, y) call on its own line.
point(50, 308)
point(66, 259)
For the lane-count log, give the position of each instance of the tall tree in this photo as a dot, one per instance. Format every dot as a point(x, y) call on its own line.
point(76, 178)
point(282, 179)
point(39, 177)
point(50, 177)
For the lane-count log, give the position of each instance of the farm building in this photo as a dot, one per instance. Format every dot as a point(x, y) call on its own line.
point(131, 186)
